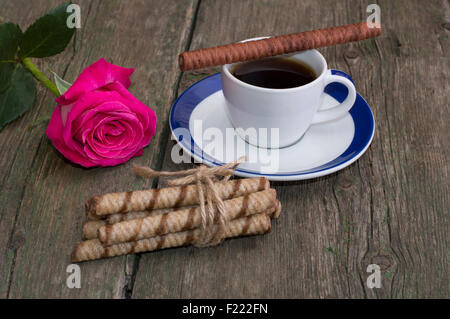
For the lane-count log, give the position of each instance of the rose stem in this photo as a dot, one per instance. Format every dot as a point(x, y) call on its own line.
point(40, 76)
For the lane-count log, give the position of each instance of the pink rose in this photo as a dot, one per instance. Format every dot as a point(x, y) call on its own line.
point(98, 122)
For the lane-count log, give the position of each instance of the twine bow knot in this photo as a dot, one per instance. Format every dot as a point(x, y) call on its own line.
point(212, 208)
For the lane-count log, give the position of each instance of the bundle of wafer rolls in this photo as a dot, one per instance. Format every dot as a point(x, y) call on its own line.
point(147, 220)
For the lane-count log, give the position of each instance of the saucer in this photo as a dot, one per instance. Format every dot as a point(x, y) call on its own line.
point(199, 123)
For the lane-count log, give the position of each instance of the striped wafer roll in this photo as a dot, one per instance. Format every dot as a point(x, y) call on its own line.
point(91, 227)
point(277, 211)
point(185, 219)
point(93, 249)
point(117, 218)
point(170, 197)
point(251, 50)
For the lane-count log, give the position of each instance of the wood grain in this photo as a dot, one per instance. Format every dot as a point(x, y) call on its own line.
point(44, 194)
point(389, 208)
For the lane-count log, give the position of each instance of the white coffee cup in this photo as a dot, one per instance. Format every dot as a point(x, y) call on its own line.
point(255, 111)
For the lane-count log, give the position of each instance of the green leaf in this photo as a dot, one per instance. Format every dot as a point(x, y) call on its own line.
point(10, 35)
point(62, 85)
point(6, 72)
point(18, 97)
point(48, 36)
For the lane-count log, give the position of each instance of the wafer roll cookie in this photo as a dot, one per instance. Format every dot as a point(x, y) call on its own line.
point(93, 249)
point(91, 227)
point(170, 197)
point(257, 49)
point(277, 210)
point(183, 220)
point(117, 218)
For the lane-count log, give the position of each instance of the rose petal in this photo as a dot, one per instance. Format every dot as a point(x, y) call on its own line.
point(94, 77)
point(85, 103)
point(91, 117)
point(55, 134)
point(147, 115)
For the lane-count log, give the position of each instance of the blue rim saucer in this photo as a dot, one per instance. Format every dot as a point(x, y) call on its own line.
point(361, 114)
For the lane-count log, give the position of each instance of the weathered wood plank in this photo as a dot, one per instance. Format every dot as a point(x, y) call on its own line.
point(19, 144)
point(389, 208)
point(406, 178)
point(43, 194)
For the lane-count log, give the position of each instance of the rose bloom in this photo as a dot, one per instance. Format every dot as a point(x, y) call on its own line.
point(98, 122)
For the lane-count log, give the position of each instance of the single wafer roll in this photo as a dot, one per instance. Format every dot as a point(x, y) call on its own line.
point(117, 218)
point(182, 220)
point(91, 227)
point(244, 51)
point(277, 211)
point(93, 249)
point(170, 197)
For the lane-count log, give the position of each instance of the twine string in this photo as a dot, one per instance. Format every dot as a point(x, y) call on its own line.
point(212, 208)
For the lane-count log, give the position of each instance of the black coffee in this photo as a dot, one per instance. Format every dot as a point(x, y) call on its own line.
point(275, 73)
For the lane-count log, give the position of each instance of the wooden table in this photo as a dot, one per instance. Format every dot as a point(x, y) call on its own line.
point(389, 208)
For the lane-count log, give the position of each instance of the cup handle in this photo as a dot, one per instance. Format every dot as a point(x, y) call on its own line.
point(342, 108)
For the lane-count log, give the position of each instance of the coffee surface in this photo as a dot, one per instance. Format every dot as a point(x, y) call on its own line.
point(274, 73)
